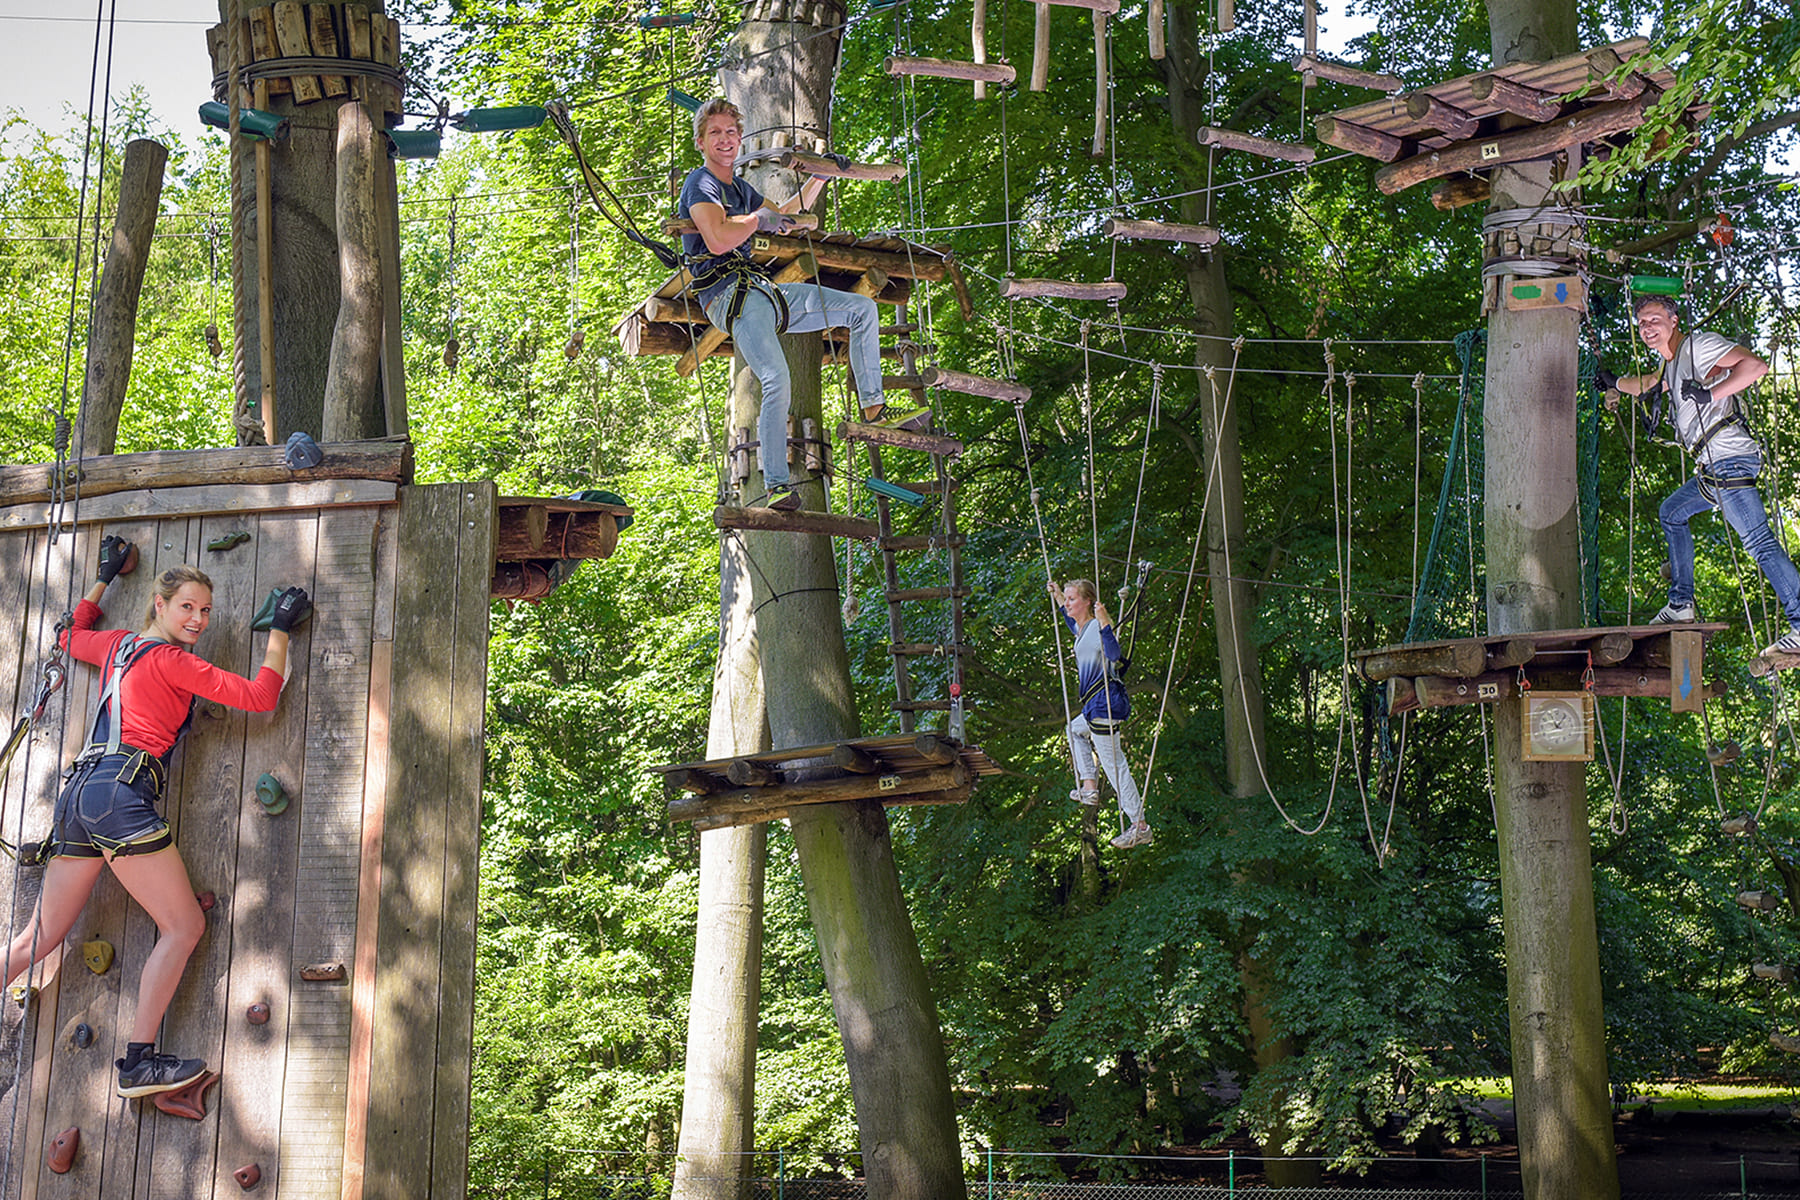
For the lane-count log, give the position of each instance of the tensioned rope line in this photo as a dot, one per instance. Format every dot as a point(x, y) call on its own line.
point(1056, 619)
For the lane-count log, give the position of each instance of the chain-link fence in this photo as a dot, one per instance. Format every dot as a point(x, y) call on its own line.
point(570, 1174)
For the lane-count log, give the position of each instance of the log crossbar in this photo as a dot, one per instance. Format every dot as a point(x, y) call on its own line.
point(1160, 231)
point(1324, 68)
point(1232, 139)
point(1031, 289)
point(943, 68)
point(976, 385)
point(825, 168)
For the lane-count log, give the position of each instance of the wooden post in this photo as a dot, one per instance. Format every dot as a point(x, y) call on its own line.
point(265, 275)
point(354, 376)
point(1158, 48)
point(1101, 84)
point(1040, 49)
point(114, 331)
point(978, 43)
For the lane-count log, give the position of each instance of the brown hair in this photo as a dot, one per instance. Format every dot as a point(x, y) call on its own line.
point(1085, 589)
point(1645, 299)
point(170, 581)
point(718, 106)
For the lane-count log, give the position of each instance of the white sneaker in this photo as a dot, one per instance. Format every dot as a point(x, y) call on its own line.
point(1137, 835)
point(1787, 643)
point(1091, 798)
point(1676, 614)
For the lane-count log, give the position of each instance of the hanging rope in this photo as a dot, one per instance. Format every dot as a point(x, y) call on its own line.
point(1037, 514)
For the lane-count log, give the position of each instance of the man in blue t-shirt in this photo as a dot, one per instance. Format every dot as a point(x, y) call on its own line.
point(740, 299)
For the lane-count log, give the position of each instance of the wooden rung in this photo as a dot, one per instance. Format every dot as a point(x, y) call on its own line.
point(897, 330)
point(942, 68)
point(906, 439)
point(1105, 6)
point(976, 385)
point(1161, 231)
point(926, 541)
point(1441, 115)
point(798, 521)
point(1453, 193)
point(1026, 289)
point(1231, 139)
point(902, 383)
point(1310, 64)
point(921, 649)
point(905, 595)
point(825, 168)
point(806, 220)
point(1360, 139)
point(921, 706)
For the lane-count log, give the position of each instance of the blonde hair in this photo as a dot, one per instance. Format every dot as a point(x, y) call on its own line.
point(171, 581)
point(1085, 589)
point(718, 106)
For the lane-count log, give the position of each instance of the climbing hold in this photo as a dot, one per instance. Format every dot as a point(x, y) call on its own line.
point(206, 900)
point(63, 1148)
point(98, 955)
point(84, 1036)
point(236, 537)
point(247, 1177)
point(302, 452)
point(1723, 753)
point(215, 711)
point(572, 348)
point(258, 1014)
point(264, 620)
point(323, 973)
point(131, 560)
point(21, 992)
point(1743, 824)
point(189, 1101)
point(271, 795)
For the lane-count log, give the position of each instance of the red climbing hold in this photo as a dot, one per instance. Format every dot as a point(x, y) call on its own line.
point(248, 1177)
point(62, 1150)
point(207, 901)
point(189, 1101)
point(258, 1014)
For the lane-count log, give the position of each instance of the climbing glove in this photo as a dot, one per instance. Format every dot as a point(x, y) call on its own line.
point(114, 552)
point(840, 161)
point(1607, 380)
point(768, 220)
point(290, 610)
point(1697, 393)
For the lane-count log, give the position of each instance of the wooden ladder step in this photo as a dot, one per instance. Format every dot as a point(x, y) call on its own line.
point(923, 541)
point(921, 706)
point(905, 439)
point(798, 521)
point(947, 69)
point(976, 385)
point(931, 593)
point(924, 649)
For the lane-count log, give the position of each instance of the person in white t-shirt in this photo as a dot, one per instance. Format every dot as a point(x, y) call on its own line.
point(1696, 386)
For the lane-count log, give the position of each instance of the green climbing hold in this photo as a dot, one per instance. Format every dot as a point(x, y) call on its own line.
point(264, 620)
point(601, 496)
point(271, 795)
point(236, 537)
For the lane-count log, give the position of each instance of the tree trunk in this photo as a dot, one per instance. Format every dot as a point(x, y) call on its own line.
point(113, 333)
point(1533, 555)
point(304, 282)
point(880, 992)
point(1234, 602)
point(718, 1109)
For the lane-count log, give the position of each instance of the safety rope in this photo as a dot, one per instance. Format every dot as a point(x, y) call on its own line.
point(1037, 514)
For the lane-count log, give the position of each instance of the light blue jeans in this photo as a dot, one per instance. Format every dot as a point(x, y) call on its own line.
point(1743, 508)
point(1090, 744)
point(811, 309)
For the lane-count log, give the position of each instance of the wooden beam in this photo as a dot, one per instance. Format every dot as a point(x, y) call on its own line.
point(198, 501)
point(957, 795)
point(933, 748)
point(674, 227)
point(1513, 652)
point(1108, 7)
point(688, 779)
point(964, 302)
point(323, 34)
point(1449, 120)
point(907, 439)
point(292, 37)
point(804, 266)
point(1430, 691)
point(978, 43)
point(1360, 139)
point(1464, 658)
point(975, 385)
point(798, 521)
point(942, 68)
point(747, 774)
point(1605, 62)
point(353, 373)
point(1459, 190)
point(1040, 50)
point(1310, 64)
point(1159, 49)
point(1160, 231)
point(1027, 289)
point(30, 483)
point(831, 790)
point(857, 761)
point(825, 168)
point(1102, 82)
point(1534, 104)
point(1231, 139)
point(565, 535)
point(1587, 125)
point(1610, 649)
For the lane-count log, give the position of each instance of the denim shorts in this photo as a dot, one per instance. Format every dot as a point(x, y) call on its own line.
point(108, 804)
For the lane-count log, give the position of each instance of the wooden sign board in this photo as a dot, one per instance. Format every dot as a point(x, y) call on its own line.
point(1552, 291)
point(1687, 693)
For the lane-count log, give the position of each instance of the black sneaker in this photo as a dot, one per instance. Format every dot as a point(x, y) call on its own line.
point(158, 1073)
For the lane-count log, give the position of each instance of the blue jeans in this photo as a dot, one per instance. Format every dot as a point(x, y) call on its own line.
point(811, 309)
point(1743, 508)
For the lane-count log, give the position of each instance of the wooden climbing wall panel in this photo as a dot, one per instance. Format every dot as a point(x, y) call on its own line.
point(352, 1087)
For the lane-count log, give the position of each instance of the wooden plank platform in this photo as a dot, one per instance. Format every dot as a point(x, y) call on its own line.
point(909, 769)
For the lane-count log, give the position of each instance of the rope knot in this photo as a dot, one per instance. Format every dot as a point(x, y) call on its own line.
point(1237, 344)
point(61, 436)
point(1419, 382)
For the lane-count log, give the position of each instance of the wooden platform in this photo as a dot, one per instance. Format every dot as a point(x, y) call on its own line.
point(1510, 114)
point(884, 269)
point(905, 770)
point(1663, 661)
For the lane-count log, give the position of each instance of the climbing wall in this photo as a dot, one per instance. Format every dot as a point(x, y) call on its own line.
point(350, 916)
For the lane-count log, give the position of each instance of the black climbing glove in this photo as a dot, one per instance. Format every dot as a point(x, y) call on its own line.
point(114, 551)
point(840, 161)
point(769, 220)
point(290, 610)
point(1607, 380)
point(1697, 393)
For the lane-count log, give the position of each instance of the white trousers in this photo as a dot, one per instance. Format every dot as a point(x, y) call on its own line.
point(1109, 748)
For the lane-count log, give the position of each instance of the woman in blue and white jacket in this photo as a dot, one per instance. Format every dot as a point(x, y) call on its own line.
point(1096, 733)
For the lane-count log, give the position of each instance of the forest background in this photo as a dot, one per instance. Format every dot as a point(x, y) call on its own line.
point(1090, 1000)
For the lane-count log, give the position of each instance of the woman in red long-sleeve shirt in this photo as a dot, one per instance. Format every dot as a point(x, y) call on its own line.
point(106, 814)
